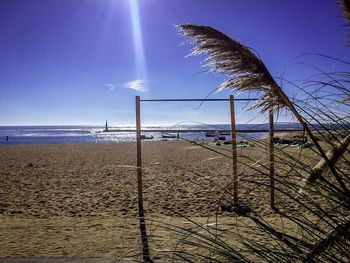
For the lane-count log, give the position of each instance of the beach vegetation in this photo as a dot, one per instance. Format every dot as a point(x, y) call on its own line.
point(311, 219)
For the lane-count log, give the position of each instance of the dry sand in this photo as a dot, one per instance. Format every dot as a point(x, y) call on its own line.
point(81, 200)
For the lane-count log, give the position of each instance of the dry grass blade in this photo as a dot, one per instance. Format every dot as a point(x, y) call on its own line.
point(335, 236)
point(333, 155)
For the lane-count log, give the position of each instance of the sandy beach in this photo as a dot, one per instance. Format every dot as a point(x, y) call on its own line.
point(81, 199)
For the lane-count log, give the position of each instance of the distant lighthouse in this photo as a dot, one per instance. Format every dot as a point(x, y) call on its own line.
point(106, 128)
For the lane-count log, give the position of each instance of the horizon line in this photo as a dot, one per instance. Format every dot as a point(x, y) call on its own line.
point(146, 124)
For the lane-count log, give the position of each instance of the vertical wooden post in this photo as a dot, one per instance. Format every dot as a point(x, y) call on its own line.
point(271, 155)
point(144, 239)
point(234, 151)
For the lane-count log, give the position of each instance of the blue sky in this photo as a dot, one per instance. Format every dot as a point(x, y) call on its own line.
point(84, 61)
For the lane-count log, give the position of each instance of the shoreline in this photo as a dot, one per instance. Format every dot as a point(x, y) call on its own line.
point(198, 138)
point(86, 134)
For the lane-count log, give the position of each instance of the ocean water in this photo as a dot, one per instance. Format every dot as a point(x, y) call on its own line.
point(95, 134)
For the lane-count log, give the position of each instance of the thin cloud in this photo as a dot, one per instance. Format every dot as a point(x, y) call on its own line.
point(137, 85)
point(111, 86)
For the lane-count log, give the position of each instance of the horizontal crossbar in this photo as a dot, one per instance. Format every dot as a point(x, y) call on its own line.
point(170, 100)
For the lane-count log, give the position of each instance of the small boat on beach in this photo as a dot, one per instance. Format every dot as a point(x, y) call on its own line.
point(242, 144)
point(217, 133)
point(239, 144)
point(168, 136)
point(296, 140)
point(146, 137)
point(210, 134)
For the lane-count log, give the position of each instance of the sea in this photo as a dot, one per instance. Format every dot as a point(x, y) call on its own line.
point(96, 134)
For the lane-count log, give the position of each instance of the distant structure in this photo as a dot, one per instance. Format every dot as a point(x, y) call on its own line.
point(106, 128)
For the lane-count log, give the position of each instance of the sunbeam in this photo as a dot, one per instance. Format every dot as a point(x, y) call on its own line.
point(140, 61)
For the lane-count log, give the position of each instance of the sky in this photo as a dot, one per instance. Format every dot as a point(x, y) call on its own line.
point(80, 62)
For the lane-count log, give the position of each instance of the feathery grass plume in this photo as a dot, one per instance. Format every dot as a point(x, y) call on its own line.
point(345, 6)
point(246, 72)
point(229, 57)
